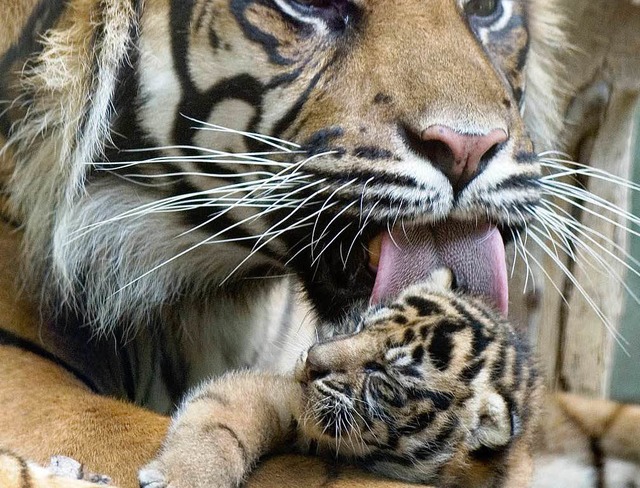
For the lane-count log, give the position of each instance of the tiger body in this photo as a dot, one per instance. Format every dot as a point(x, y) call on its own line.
point(188, 184)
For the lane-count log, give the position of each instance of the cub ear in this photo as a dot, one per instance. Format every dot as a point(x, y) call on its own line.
point(440, 280)
point(494, 427)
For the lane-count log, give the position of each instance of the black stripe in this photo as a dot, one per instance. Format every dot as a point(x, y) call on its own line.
point(598, 461)
point(241, 447)
point(441, 400)
point(269, 43)
point(10, 339)
point(437, 445)
point(25, 478)
point(363, 176)
point(418, 423)
point(196, 104)
point(471, 370)
point(424, 307)
point(43, 17)
point(200, 105)
point(526, 157)
point(441, 345)
point(126, 133)
point(480, 340)
point(518, 182)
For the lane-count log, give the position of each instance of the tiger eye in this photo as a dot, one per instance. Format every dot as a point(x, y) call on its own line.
point(316, 3)
point(481, 8)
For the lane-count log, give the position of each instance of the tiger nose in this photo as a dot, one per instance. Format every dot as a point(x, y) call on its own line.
point(461, 157)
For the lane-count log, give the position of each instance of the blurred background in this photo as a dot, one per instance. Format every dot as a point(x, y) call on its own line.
point(625, 380)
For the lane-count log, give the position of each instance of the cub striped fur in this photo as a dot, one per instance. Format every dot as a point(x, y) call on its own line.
point(432, 389)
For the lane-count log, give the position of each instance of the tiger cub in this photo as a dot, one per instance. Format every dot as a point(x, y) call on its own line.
point(434, 388)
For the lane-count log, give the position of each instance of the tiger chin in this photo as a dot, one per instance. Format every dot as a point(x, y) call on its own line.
point(434, 388)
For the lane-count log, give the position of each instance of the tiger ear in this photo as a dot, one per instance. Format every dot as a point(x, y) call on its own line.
point(494, 427)
point(440, 280)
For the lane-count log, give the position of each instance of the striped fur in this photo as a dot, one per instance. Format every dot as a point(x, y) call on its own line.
point(203, 150)
point(19, 473)
point(186, 179)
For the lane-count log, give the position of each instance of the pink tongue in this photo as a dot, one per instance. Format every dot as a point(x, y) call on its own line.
point(475, 254)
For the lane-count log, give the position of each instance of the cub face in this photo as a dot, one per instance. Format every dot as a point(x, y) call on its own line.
point(403, 111)
point(431, 388)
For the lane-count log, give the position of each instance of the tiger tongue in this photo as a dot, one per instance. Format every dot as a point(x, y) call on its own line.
point(475, 254)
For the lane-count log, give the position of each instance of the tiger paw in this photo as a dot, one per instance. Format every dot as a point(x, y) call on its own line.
point(67, 467)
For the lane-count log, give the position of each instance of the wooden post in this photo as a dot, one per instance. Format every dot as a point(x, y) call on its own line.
point(601, 86)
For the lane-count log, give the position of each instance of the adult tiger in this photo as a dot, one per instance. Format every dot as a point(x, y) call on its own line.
point(147, 244)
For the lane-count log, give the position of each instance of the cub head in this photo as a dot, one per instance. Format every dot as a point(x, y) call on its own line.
point(430, 388)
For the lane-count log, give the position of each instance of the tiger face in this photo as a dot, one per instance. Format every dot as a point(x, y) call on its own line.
point(431, 389)
point(349, 120)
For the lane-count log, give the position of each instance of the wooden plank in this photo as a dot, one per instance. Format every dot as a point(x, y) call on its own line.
point(602, 81)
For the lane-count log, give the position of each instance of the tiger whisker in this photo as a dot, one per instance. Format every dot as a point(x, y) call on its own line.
point(584, 170)
point(600, 265)
point(275, 205)
point(304, 202)
point(337, 234)
point(256, 249)
point(189, 249)
point(565, 224)
point(157, 205)
point(571, 196)
point(180, 174)
point(325, 231)
point(226, 158)
point(269, 140)
point(575, 282)
point(326, 202)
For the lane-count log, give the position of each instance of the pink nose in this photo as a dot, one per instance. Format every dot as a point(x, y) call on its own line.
point(461, 157)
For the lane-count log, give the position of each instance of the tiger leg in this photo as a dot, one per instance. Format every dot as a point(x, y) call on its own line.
point(16, 472)
point(223, 429)
point(47, 411)
point(588, 442)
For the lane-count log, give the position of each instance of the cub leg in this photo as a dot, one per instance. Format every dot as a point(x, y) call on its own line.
point(223, 429)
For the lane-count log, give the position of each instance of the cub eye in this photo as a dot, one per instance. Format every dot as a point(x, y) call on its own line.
point(481, 8)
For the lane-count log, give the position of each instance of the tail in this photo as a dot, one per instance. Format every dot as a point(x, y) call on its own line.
point(587, 442)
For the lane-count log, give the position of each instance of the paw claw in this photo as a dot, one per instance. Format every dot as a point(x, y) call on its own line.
point(67, 467)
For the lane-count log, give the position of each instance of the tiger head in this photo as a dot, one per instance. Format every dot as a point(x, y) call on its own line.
point(228, 141)
point(336, 120)
point(429, 389)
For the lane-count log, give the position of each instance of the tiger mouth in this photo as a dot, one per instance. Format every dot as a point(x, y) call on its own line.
point(363, 268)
point(474, 252)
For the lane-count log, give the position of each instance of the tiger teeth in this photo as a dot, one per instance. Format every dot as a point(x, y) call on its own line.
point(373, 249)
